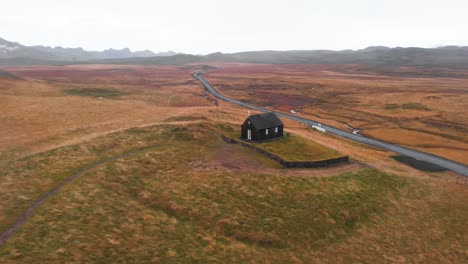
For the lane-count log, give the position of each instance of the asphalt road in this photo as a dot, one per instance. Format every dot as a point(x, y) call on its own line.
point(419, 155)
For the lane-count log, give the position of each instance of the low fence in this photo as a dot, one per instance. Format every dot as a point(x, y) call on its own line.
point(290, 164)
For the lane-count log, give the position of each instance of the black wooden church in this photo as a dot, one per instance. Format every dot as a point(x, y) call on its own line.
point(262, 127)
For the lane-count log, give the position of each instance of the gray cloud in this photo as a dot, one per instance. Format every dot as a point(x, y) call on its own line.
point(206, 26)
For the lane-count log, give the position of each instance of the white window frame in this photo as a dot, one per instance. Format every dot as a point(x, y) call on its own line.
point(266, 131)
point(276, 129)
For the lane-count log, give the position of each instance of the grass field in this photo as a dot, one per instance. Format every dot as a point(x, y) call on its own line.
point(294, 148)
point(159, 205)
point(176, 193)
point(291, 147)
point(69, 104)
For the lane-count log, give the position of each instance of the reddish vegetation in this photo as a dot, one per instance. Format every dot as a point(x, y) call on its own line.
point(38, 114)
point(109, 74)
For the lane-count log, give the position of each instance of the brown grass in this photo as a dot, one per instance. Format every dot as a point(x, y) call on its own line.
point(162, 205)
point(38, 115)
point(290, 147)
point(191, 198)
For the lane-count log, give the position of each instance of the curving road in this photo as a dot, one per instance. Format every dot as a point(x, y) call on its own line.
point(419, 155)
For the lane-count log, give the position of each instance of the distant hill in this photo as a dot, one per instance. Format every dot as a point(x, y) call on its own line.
point(5, 74)
point(442, 57)
point(12, 53)
point(448, 57)
point(15, 53)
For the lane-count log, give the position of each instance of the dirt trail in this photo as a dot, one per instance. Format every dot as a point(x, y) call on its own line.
point(231, 157)
point(44, 197)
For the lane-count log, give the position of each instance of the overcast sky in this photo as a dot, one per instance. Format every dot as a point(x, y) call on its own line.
point(206, 26)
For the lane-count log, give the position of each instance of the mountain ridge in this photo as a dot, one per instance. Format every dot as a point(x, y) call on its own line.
point(381, 56)
point(14, 50)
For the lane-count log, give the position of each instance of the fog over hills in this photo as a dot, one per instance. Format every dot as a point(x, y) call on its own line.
point(15, 52)
point(12, 53)
point(444, 57)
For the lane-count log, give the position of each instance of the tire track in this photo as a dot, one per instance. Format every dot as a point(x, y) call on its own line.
point(19, 222)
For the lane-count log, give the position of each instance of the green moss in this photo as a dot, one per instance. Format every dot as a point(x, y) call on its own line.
point(96, 92)
point(410, 106)
point(415, 106)
point(391, 106)
point(295, 148)
point(186, 118)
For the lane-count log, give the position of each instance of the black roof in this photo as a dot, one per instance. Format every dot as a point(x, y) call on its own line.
point(266, 120)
